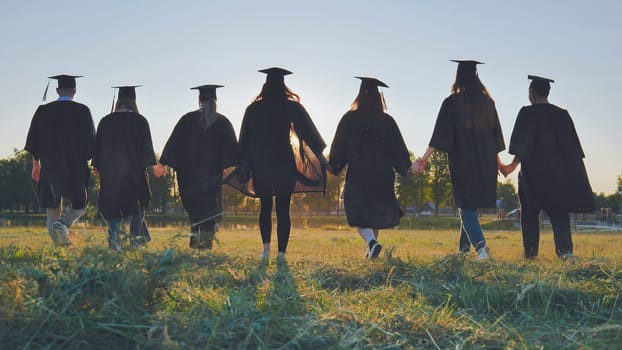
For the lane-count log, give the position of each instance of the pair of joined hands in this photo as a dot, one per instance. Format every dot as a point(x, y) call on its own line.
point(159, 170)
point(418, 167)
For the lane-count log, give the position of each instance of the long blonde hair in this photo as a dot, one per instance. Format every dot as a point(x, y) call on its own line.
point(208, 112)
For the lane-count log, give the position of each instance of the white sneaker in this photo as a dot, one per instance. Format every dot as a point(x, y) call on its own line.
point(61, 233)
point(482, 254)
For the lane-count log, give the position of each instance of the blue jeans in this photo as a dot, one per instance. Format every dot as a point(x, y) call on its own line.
point(470, 231)
point(114, 224)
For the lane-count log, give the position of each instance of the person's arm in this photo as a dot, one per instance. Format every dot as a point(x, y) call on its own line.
point(508, 169)
point(419, 165)
point(36, 169)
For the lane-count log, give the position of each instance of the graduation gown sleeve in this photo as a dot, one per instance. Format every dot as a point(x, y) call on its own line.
point(172, 149)
point(229, 146)
point(399, 151)
point(338, 151)
point(523, 139)
point(443, 134)
point(32, 141)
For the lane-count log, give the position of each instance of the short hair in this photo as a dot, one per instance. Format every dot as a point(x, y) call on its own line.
point(542, 88)
point(66, 91)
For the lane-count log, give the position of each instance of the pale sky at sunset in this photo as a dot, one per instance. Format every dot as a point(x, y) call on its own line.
point(169, 47)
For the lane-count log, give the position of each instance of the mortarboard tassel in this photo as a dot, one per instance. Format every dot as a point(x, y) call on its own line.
point(113, 96)
point(383, 101)
point(45, 93)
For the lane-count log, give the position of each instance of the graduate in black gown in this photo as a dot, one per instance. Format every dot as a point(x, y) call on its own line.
point(552, 176)
point(201, 147)
point(123, 152)
point(61, 140)
point(280, 154)
point(368, 141)
point(468, 129)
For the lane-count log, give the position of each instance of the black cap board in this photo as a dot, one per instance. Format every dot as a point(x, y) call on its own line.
point(541, 79)
point(275, 74)
point(207, 91)
point(467, 62)
point(368, 82)
point(127, 91)
point(66, 81)
point(467, 66)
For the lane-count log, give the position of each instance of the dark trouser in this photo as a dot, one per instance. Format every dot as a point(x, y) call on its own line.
point(283, 221)
point(202, 206)
point(530, 226)
point(199, 208)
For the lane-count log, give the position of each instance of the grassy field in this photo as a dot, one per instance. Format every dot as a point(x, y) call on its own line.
point(418, 295)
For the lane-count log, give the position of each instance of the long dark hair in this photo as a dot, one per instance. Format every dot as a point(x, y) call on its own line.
point(477, 105)
point(275, 91)
point(369, 101)
point(127, 104)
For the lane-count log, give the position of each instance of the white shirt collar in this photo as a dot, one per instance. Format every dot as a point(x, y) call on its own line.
point(64, 98)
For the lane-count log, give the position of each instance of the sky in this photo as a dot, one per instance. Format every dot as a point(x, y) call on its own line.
point(169, 47)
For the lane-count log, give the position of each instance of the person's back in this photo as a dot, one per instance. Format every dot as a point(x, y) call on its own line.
point(468, 130)
point(123, 152)
point(552, 176)
point(551, 157)
point(61, 140)
point(370, 148)
point(200, 155)
point(369, 143)
point(269, 125)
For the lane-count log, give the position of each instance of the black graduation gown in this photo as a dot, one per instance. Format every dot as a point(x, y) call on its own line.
point(373, 149)
point(199, 155)
point(552, 176)
point(280, 151)
point(62, 137)
point(123, 151)
point(472, 152)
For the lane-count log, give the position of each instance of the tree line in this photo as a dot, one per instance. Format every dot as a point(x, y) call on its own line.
point(430, 191)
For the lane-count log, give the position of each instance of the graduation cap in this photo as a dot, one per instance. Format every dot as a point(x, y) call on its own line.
point(367, 83)
point(467, 65)
point(275, 74)
point(127, 92)
point(540, 84)
point(65, 81)
point(207, 91)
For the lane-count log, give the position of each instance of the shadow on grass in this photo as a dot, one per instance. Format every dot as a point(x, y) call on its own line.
point(92, 298)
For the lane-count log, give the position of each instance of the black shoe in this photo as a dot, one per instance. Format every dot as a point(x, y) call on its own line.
point(137, 242)
point(202, 241)
point(374, 249)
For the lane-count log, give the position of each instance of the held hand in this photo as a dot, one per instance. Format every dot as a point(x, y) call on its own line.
point(159, 170)
point(418, 166)
point(506, 170)
point(510, 168)
point(36, 171)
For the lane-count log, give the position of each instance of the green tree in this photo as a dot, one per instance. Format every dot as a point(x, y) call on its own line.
point(506, 193)
point(162, 190)
point(413, 189)
point(440, 180)
point(232, 199)
point(18, 191)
